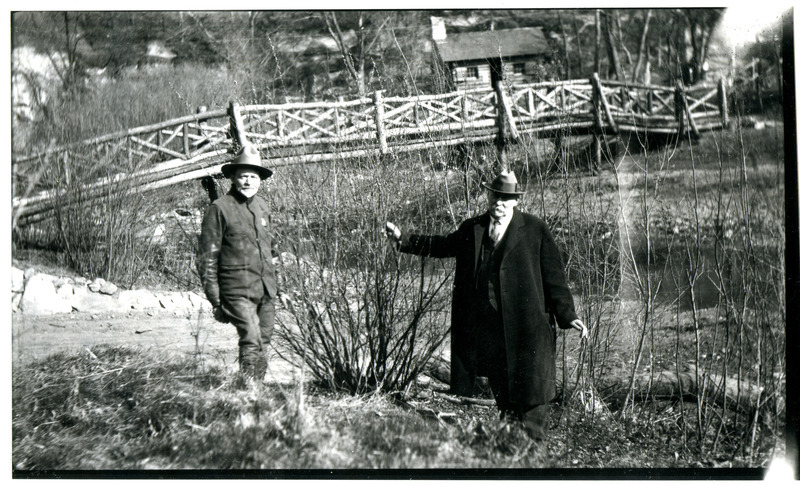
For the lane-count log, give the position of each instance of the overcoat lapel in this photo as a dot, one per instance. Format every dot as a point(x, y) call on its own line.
point(513, 232)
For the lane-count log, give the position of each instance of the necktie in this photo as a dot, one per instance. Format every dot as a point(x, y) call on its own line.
point(494, 231)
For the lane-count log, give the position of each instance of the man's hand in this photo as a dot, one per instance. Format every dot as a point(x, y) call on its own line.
point(393, 232)
point(578, 325)
point(221, 315)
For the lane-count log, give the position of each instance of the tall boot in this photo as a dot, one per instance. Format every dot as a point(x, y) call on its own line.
point(261, 368)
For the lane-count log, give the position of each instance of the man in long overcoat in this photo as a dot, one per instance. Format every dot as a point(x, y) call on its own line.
point(509, 292)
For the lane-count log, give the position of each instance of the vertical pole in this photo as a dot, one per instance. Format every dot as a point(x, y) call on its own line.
point(679, 109)
point(722, 99)
point(757, 73)
point(558, 148)
point(281, 125)
point(186, 139)
point(208, 183)
point(200, 109)
point(597, 140)
point(464, 110)
point(501, 141)
point(236, 125)
point(378, 99)
point(531, 106)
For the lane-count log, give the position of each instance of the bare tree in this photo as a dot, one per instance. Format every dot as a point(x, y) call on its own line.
point(354, 58)
point(597, 32)
point(577, 43)
point(642, 51)
point(615, 66)
point(566, 46)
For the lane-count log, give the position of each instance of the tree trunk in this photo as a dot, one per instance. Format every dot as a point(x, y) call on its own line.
point(642, 51)
point(579, 66)
point(597, 35)
point(336, 33)
point(665, 386)
point(613, 57)
point(566, 46)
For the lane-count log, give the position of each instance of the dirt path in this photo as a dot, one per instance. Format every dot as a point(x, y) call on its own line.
point(35, 337)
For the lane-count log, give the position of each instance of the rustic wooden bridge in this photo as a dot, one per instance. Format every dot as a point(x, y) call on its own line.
point(196, 146)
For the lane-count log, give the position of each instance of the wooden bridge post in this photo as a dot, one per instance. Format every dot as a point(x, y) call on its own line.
point(186, 139)
point(378, 99)
point(208, 183)
point(722, 99)
point(336, 118)
point(679, 110)
point(236, 125)
point(501, 140)
point(597, 140)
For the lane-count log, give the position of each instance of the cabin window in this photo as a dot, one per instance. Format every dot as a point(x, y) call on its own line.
point(519, 68)
point(471, 72)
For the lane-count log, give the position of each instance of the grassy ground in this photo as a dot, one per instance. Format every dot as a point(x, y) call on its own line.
point(126, 408)
point(121, 408)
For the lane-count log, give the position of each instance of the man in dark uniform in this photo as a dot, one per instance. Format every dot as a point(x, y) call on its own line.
point(235, 261)
point(508, 291)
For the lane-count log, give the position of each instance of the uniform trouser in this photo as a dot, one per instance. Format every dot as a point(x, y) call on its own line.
point(253, 321)
point(492, 362)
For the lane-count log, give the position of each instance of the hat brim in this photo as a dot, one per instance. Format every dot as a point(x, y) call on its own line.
point(489, 187)
point(230, 169)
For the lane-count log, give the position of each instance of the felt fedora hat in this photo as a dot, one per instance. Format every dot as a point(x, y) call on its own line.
point(248, 157)
point(505, 183)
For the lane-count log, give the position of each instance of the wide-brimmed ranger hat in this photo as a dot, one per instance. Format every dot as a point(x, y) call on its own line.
point(248, 157)
point(505, 183)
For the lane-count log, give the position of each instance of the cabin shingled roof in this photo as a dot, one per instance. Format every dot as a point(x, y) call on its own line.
point(492, 44)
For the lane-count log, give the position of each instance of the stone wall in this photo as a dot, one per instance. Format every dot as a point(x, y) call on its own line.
point(34, 293)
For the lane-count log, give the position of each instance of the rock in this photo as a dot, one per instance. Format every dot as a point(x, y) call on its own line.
point(29, 273)
point(175, 301)
point(108, 288)
point(40, 297)
point(17, 279)
point(97, 284)
point(137, 300)
point(94, 303)
point(80, 291)
point(66, 292)
point(80, 280)
point(59, 282)
point(199, 302)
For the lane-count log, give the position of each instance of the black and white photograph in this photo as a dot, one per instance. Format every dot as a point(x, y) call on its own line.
point(427, 243)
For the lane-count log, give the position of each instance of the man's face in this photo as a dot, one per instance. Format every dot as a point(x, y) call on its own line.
point(501, 205)
point(246, 181)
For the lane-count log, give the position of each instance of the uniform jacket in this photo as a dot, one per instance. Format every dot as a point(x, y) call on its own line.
point(235, 251)
point(534, 294)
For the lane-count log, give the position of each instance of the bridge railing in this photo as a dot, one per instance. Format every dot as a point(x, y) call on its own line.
point(195, 146)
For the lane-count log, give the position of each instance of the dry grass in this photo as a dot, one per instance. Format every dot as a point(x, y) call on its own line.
point(122, 409)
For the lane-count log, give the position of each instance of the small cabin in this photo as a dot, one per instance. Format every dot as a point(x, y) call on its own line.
point(470, 57)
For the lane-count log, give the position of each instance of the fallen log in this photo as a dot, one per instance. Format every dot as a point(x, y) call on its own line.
point(663, 385)
point(688, 384)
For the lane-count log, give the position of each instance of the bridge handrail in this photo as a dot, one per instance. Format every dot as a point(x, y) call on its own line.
point(139, 130)
point(380, 124)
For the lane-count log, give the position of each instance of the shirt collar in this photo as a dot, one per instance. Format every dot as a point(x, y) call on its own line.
point(503, 222)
